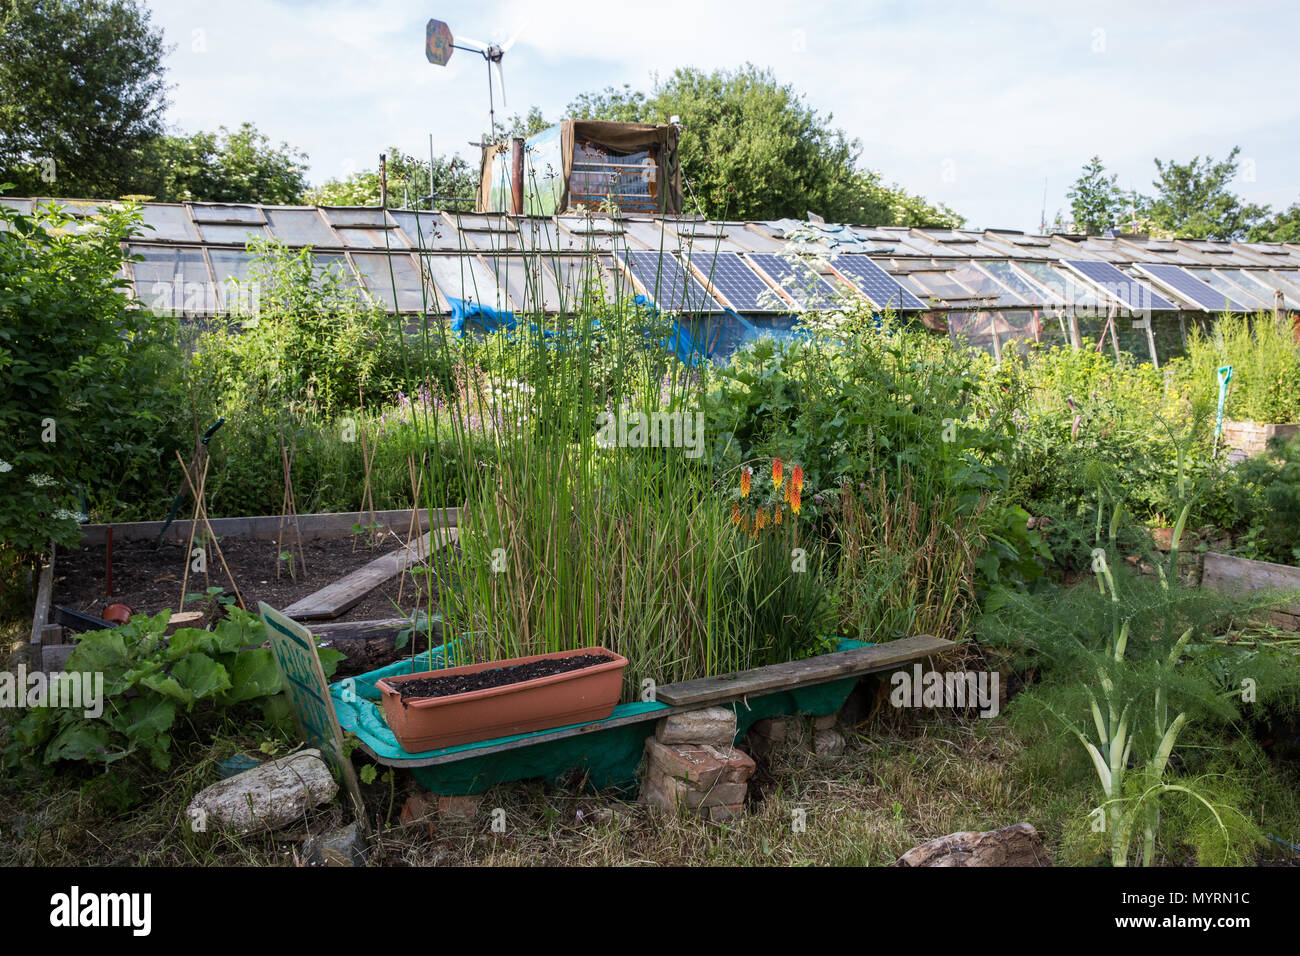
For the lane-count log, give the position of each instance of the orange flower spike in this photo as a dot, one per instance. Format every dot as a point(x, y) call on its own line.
point(777, 473)
point(796, 500)
point(787, 492)
point(760, 520)
point(735, 512)
point(777, 512)
point(744, 522)
point(746, 474)
point(796, 477)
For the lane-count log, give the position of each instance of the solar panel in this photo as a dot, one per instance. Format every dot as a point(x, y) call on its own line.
point(797, 279)
point(1191, 288)
point(668, 283)
point(728, 274)
point(1130, 293)
point(876, 284)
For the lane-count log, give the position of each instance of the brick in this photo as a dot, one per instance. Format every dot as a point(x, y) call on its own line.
point(709, 725)
point(722, 794)
point(772, 728)
point(700, 767)
point(460, 808)
point(658, 790)
point(826, 722)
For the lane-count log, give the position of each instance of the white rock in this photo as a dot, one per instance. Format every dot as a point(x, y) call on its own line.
point(266, 797)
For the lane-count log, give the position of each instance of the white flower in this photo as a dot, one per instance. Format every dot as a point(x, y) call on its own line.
point(63, 514)
point(41, 481)
point(5, 466)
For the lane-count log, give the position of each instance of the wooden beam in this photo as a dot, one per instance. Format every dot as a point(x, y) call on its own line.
point(1223, 572)
point(792, 674)
point(335, 598)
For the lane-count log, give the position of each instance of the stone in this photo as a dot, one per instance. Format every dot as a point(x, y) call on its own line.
point(1016, 845)
point(460, 808)
point(661, 791)
point(828, 743)
point(418, 807)
point(345, 846)
point(720, 794)
point(699, 766)
point(268, 797)
point(772, 728)
point(826, 722)
point(709, 725)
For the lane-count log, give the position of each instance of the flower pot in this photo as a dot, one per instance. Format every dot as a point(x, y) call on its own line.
point(555, 700)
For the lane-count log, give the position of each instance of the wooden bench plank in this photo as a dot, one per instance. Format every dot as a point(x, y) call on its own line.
point(803, 673)
point(336, 597)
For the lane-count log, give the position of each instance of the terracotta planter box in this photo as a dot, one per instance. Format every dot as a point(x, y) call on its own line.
point(557, 700)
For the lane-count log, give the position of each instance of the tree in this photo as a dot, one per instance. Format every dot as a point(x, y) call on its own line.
point(1096, 200)
point(408, 184)
point(525, 126)
point(81, 93)
point(1283, 227)
point(752, 148)
point(1193, 200)
point(227, 166)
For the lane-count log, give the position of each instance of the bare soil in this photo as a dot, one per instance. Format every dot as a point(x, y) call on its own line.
point(424, 687)
point(148, 579)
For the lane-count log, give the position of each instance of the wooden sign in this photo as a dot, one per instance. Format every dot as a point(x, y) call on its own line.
point(294, 649)
point(437, 42)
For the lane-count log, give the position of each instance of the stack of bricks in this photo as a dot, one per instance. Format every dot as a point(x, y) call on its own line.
point(690, 762)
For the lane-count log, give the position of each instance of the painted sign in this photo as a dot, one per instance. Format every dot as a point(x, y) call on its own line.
point(437, 42)
point(294, 649)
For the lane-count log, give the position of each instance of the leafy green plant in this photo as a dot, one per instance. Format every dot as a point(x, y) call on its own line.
point(150, 682)
point(1267, 496)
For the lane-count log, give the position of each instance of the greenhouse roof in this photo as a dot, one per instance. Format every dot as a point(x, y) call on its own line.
point(192, 257)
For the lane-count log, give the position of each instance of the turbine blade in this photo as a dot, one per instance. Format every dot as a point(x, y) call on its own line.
point(511, 42)
point(502, 77)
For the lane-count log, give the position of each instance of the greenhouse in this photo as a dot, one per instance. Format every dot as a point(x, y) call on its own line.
point(732, 281)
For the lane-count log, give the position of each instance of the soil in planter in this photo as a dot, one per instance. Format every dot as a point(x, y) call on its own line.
point(424, 687)
point(148, 579)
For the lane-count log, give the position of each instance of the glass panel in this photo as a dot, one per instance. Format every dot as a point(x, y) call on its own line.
point(204, 212)
point(371, 238)
point(356, 217)
point(939, 285)
point(374, 269)
point(972, 328)
point(239, 234)
point(1251, 294)
point(1008, 276)
point(465, 277)
point(1066, 288)
point(332, 262)
point(1290, 290)
point(531, 287)
point(228, 265)
point(301, 227)
point(427, 230)
point(169, 222)
point(24, 206)
point(984, 285)
point(539, 235)
point(486, 241)
point(586, 276)
point(1221, 284)
point(174, 280)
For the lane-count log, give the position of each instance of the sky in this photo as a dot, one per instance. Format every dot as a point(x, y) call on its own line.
point(986, 107)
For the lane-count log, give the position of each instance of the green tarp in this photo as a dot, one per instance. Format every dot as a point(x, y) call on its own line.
point(602, 758)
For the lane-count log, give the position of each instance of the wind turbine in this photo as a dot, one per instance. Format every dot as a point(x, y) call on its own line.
point(438, 46)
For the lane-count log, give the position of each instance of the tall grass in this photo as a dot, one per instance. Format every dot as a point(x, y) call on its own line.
point(1265, 358)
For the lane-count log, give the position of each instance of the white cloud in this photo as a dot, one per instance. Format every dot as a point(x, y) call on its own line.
point(970, 105)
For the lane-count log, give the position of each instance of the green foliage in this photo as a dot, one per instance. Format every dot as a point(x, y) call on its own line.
point(1283, 226)
point(1193, 200)
point(408, 183)
point(241, 166)
point(1096, 200)
point(149, 681)
point(83, 376)
point(1267, 492)
point(1265, 360)
point(81, 93)
point(752, 148)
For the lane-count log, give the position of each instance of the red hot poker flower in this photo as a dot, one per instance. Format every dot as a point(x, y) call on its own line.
point(746, 474)
point(796, 477)
point(777, 476)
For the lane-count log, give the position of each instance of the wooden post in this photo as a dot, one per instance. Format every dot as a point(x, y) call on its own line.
point(517, 176)
point(383, 181)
